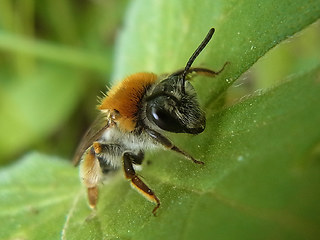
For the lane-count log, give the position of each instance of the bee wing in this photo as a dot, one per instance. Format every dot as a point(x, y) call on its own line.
point(94, 132)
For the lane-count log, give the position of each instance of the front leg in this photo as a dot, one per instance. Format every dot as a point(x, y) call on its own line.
point(168, 144)
point(128, 159)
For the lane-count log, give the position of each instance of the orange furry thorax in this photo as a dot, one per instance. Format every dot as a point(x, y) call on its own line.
point(125, 98)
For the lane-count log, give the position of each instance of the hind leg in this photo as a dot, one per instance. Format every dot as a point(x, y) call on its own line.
point(90, 173)
point(128, 160)
point(94, 165)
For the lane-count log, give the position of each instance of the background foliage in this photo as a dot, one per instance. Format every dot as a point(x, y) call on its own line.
point(261, 145)
point(56, 57)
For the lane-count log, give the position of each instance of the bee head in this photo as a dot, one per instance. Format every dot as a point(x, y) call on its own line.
point(173, 104)
point(175, 109)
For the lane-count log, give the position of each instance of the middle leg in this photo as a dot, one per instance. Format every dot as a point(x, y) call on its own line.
point(128, 160)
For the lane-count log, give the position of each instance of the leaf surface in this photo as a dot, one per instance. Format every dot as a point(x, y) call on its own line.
point(261, 173)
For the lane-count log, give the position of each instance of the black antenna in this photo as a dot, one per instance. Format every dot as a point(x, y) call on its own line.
point(202, 45)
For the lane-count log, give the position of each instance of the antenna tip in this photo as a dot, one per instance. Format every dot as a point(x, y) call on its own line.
point(211, 32)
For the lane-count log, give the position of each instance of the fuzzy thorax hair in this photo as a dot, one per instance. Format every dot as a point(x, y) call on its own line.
point(125, 97)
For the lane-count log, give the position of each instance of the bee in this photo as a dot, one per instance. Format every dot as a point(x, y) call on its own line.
point(133, 116)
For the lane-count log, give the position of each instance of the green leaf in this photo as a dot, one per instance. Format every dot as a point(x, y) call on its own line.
point(34, 105)
point(261, 177)
point(260, 180)
point(36, 193)
point(160, 37)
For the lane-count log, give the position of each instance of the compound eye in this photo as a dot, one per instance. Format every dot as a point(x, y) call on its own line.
point(165, 120)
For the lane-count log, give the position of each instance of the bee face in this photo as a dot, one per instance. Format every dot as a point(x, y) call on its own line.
point(174, 108)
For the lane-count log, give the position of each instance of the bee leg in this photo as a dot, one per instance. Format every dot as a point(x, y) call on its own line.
point(128, 159)
point(90, 173)
point(168, 144)
point(201, 71)
point(207, 72)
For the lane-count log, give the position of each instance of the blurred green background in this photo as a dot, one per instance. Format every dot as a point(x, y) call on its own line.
point(56, 57)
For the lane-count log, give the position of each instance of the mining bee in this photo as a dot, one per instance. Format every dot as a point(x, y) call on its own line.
point(133, 116)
